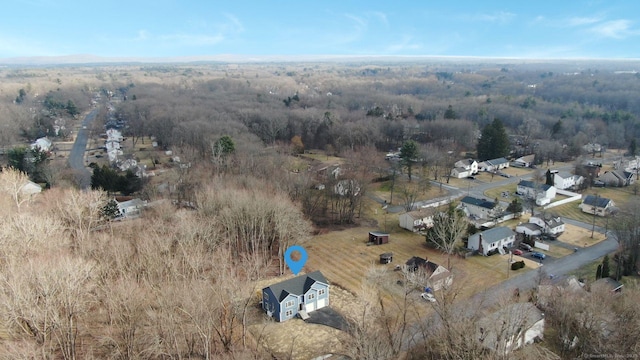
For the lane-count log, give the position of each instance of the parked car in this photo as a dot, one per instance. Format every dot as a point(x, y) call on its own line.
point(538, 255)
point(428, 297)
point(516, 252)
point(526, 247)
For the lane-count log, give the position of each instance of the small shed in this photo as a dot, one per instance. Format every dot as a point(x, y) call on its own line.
point(386, 258)
point(378, 238)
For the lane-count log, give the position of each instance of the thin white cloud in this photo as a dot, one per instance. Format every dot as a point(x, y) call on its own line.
point(235, 23)
point(496, 17)
point(382, 17)
point(614, 29)
point(581, 21)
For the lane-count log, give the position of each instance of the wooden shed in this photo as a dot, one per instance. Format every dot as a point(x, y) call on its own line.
point(378, 238)
point(386, 258)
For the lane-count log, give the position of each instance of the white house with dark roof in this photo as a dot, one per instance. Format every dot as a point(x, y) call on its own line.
point(495, 239)
point(480, 208)
point(494, 164)
point(542, 193)
point(299, 295)
point(596, 204)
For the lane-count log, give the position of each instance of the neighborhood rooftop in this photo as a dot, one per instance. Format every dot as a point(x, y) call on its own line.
point(495, 234)
point(478, 202)
point(597, 201)
point(297, 285)
point(533, 185)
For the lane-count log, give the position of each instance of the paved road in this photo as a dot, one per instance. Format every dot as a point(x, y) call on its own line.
point(76, 156)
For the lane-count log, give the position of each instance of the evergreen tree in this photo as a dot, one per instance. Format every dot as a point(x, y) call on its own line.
point(549, 176)
point(633, 147)
point(110, 210)
point(224, 146)
point(409, 155)
point(605, 266)
point(599, 272)
point(450, 114)
point(494, 142)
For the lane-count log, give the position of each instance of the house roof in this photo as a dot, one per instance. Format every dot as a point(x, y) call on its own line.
point(478, 202)
point(531, 226)
point(297, 285)
point(532, 185)
point(507, 322)
point(526, 158)
point(417, 261)
point(421, 213)
point(497, 161)
point(551, 220)
point(597, 201)
point(495, 234)
point(564, 174)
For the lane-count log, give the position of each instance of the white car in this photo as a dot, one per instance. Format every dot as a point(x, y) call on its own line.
point(428, 297)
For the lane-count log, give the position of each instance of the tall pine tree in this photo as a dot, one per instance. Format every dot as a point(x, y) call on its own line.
point(494, 142)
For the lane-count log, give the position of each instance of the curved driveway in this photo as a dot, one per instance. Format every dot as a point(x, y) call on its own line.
point(76, 156)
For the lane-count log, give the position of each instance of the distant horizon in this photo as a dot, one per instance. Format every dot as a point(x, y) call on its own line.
point(495, 29)
point(90, 59)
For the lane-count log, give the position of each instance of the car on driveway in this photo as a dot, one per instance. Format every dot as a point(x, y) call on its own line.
point(526, 247)
point(428, 297)
point(516, 252)
point(538, 255)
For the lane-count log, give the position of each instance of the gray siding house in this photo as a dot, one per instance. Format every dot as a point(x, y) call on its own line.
point(299, 295)
point(496, 239)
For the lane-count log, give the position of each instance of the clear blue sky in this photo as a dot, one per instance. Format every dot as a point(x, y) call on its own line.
point(160, 28)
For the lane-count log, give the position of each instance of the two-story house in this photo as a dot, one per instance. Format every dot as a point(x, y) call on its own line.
point(417, 220)
point(493, 240)
point(551, 225)
point(542, 193)
point(464, 168)
point(476, 208)
point(564, 180)
point(301, 294)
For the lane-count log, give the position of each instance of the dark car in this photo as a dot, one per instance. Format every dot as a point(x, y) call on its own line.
point(538, 255)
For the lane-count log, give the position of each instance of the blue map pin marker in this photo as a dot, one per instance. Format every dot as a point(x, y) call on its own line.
point(295, 265)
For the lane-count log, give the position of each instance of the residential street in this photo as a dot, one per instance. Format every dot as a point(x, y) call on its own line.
point(76, 156)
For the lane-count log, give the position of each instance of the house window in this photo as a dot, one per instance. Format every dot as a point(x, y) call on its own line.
point(289, 304)
point(311, 296)
point(288, 313)
point(321, 292)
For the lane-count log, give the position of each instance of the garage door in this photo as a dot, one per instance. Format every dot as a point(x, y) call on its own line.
point(321, 303)
point(309, 307)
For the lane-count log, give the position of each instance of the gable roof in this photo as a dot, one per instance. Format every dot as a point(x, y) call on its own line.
point(497, 161)
point(421, 213)
point(479, 202)
point(526, 158)
point(597, 201)
point(532, 185)
point(508, 322)
point(551, 220)
point(297, 285)
point(417, 261)
point(495, 234)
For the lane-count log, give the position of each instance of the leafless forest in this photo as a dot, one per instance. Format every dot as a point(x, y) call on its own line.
point(181, 280)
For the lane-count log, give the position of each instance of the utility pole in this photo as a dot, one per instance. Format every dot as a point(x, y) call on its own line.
point(595, 207)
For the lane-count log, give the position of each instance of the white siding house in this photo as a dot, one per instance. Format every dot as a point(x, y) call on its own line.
point(417, 220)
point(563, 180)
point(495, 239)
point(542, 193)
point(595, 204)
